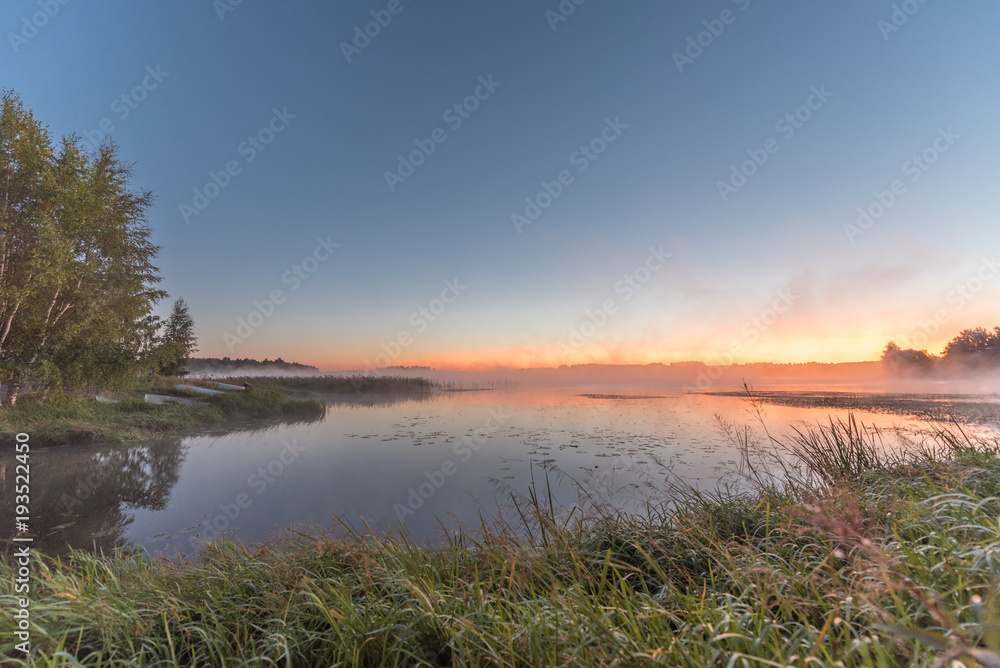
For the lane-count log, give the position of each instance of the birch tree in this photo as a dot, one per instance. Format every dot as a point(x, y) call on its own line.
point(77, 281)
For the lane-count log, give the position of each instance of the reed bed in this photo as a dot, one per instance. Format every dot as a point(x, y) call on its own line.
point(367, 384)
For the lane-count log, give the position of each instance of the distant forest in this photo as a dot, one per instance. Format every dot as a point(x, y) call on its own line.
point(207, 364)
point(972, 349)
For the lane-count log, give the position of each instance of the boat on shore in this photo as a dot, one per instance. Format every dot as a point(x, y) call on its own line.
point(199, 390)
point(163, 399)
point(225, 386)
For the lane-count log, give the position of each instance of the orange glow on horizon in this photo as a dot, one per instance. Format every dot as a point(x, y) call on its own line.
point(795, 351)
point(815, 339)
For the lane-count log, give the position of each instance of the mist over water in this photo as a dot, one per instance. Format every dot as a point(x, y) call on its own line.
point(698, 377)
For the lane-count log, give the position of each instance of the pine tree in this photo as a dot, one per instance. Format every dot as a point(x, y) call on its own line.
point(178, 334)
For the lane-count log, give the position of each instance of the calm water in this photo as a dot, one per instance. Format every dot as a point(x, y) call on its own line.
point(418, 462)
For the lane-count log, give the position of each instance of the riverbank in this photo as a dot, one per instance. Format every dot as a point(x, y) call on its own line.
point(85, 420)
point(857, 557)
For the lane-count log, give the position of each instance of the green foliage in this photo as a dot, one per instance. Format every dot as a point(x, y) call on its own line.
point(178, 340)
point(971, 349)
point(76, 273)
point(975, 345)
point(907, 361)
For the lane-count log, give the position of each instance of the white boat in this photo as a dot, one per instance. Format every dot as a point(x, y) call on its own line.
point(163, 398)
point(223, 386)
point(199, 390)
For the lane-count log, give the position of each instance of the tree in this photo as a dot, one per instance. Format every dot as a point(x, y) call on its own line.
point(892, 349)
point(77, 281)
point(178, 334)
point(908, 360)
point(974, 345)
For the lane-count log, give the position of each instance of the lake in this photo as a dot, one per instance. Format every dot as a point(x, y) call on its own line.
point(424, 463)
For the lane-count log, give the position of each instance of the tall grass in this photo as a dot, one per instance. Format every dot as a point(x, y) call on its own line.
point(871, 561)
point(369, 384)
point(357, 385)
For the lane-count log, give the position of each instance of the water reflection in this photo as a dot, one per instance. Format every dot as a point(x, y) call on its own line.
point(418, 462)
point(374, 400)
point(87, 495)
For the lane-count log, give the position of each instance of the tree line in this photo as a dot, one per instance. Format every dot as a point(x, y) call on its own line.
point(222, 364)
point(977, 348)
point(77, 281)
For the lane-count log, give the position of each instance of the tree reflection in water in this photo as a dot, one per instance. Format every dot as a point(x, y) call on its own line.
point(85, 496)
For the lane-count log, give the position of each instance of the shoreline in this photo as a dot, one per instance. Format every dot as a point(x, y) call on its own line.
point(85, 421)
point(82, 420)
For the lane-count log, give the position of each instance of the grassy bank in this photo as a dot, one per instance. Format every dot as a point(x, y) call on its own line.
point(86, 420)
point(860, 558)
point(350, 385)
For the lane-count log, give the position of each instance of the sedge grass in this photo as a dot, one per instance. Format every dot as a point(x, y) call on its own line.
point(356, 385)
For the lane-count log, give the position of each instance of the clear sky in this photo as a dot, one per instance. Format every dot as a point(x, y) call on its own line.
point(628, 125)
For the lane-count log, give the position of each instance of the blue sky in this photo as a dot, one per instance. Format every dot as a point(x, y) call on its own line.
point(222, 75)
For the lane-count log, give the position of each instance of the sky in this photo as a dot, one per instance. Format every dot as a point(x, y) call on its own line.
point(470, 185)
